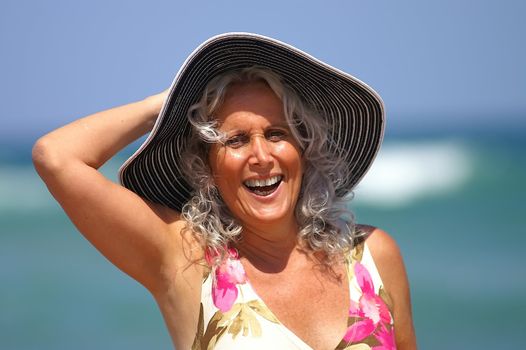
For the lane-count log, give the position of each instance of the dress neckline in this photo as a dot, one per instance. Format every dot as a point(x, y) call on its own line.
point(370, 322)
point(252, 294)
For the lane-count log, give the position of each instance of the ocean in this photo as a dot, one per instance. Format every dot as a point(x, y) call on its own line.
point(453, 200)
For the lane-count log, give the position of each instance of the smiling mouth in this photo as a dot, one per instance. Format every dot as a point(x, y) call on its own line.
point(263, 187)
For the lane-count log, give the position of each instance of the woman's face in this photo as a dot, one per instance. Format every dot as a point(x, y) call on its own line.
point(258, 170)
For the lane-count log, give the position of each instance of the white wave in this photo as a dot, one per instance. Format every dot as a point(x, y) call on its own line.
point(22, 189)
point(402, 173)
point(407, 171)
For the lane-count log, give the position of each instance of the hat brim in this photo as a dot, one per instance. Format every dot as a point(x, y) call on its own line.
point(354, 109)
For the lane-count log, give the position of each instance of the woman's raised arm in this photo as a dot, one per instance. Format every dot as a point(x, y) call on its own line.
point(143, 239)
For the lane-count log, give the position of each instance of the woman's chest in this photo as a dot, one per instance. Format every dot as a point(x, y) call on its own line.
point(313, 305)
point(305, 309)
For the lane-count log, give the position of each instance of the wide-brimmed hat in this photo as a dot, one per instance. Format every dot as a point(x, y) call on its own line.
point(353, 109)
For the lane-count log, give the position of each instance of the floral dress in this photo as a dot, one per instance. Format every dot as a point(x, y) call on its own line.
point(233, 316)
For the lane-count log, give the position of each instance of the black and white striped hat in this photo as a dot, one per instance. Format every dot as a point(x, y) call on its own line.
point(354, 109)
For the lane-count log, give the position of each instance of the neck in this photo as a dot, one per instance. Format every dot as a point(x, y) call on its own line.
point(269, 249)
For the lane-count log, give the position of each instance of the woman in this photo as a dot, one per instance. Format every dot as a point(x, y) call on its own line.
point(232, 213)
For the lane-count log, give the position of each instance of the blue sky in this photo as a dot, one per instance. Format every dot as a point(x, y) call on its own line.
point(435, 62)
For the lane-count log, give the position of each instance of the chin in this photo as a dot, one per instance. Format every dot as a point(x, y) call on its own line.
point(280, 215)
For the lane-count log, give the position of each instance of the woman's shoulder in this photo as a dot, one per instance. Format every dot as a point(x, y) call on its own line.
point(182, 249)
point(384, 251)
point(386, 256)
point(380, 243)
point(390, 265)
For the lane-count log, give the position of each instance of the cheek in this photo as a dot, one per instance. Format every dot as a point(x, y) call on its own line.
point(281, 147)
point(215, 161)
point(234, 156)
point(290, 154)
point(226, 167)
point(224, 161)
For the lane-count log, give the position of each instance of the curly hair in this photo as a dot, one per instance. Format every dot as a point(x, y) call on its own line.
point(325, 225)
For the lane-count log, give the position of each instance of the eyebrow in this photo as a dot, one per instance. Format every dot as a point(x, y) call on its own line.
point(241, 131)
point(281, 125)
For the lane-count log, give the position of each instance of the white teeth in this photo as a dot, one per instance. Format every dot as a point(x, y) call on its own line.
point(261, 183)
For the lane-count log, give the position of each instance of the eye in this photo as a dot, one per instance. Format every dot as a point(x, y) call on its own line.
point(276, 135)
point(236, 141)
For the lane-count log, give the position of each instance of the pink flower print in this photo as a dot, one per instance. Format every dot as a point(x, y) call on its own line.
point(227, 275)
point(234, 270)
point(386, 338)
point(370, 308)
point(359, 330)
point(224, 292)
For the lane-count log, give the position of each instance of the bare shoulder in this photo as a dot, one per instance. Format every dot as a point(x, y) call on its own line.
point(387, 258)
point(383, 247)
point(186, 247)
point(389, 262)
point(180, 291)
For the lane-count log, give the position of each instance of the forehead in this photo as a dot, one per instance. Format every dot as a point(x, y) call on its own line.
point(246, 104)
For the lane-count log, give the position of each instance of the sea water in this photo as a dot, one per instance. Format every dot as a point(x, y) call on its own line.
point(453, 201)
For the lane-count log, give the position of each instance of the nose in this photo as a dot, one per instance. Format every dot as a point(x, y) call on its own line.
point(261, 152)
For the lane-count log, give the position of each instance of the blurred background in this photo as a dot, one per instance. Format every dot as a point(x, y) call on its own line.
point(448, 183)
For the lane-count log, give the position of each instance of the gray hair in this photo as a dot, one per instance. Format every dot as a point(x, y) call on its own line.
point(325, 225)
